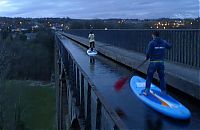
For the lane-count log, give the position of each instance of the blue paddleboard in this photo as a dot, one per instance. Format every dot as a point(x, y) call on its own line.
point(162, 103)
point(91, 53)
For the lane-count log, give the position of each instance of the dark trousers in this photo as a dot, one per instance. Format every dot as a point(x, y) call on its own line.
point(159, 67)
point(91, 45)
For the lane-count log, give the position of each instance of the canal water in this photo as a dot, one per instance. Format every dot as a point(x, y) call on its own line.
point(104, 73)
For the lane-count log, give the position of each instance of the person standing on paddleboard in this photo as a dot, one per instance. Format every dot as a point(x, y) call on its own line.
point(156, 54)
point(91, 40)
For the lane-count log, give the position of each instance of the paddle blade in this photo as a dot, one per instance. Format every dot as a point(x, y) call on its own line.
point(120, 83)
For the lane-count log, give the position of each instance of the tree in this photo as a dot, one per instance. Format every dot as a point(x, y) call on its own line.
point(4, 68)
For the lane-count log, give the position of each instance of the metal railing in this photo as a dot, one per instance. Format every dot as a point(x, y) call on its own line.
point(185, 50)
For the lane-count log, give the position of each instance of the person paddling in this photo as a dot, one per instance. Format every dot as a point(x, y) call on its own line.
point(156, 54)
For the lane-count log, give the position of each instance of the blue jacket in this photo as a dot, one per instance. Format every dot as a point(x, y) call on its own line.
point(156, 49)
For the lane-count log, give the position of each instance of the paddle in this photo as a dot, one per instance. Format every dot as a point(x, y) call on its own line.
point(119, 84)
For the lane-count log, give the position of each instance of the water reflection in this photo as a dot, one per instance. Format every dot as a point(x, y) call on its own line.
point(154, 124)
point(92, 63)
point(120, 112)
point(92, 60)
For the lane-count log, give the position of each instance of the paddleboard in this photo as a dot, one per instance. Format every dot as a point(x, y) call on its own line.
point(160, 102)
point(91, 53)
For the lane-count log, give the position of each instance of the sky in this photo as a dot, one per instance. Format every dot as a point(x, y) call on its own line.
point(102, 9)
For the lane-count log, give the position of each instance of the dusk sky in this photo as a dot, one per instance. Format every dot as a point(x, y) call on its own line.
point(84, 9)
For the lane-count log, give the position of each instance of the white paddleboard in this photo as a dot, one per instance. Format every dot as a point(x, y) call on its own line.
point(91, 53)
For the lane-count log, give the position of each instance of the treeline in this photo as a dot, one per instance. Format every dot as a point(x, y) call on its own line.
point(24, 59)
point(69, 23)
point(29, 59)
point(134, 23)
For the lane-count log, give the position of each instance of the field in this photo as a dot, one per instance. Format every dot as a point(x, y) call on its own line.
point(35, 100)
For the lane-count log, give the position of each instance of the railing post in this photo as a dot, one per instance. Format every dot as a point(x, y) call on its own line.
point(85, 98)
point(98, 115)
point(82, 99)
point(88, 119)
